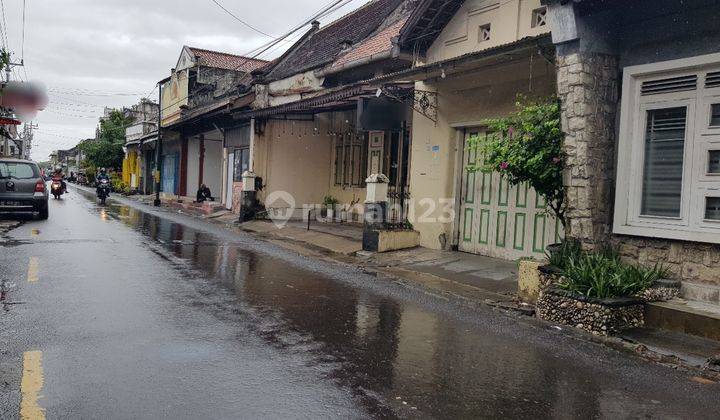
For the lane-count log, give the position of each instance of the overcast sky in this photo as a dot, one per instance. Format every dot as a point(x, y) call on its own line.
point(80, 49)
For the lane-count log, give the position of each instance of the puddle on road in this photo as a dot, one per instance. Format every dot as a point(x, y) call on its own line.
point(397, 358)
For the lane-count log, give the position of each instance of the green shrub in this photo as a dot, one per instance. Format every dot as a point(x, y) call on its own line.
point(330, 201)
point(602, 275)
point(526, 147)
point(569, 250)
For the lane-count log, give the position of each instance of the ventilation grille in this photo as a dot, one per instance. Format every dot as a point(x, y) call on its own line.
point(712, 80)
point(673, 84)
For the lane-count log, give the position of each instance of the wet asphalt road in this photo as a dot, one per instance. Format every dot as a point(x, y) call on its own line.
point(155, 315)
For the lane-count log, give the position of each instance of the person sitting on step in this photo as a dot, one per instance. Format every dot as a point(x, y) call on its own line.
point(204, 194)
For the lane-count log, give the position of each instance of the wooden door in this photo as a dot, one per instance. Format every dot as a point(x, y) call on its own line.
point(500, 220)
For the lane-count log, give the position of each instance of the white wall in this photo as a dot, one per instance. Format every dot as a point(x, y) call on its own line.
point(213, 167)
point(193, 166)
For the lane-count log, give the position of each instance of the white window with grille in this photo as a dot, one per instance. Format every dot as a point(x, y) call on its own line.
point(668, 178)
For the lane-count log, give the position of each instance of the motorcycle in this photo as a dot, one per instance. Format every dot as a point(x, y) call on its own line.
point(103, 190)
point(56, 188)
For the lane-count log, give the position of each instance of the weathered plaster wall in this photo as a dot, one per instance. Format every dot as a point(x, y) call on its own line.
point(463, 101)
point(290, 158)
point(174, 95)
point(292, 88)
point(298, 157)
point(213, 167)
point(193, 166)
point(509, 21)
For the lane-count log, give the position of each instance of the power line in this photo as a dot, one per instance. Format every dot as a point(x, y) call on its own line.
point(261, 49)
point(76, 105)
point(84, 92)
point(240, 20)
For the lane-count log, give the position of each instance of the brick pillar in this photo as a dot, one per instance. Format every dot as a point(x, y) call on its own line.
point(588, 90)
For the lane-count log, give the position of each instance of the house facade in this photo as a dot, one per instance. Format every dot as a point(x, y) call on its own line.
point(473, 59)
point(140, 139)
point(640, 88)
point(316, 128)
point(194, 107)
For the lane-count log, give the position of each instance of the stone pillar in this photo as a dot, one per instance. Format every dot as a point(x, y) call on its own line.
point(248, 198)
point(588, 90)
point(375, 212)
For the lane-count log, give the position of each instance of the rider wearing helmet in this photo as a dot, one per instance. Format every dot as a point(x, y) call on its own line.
point(100, 176)
point(60, 176)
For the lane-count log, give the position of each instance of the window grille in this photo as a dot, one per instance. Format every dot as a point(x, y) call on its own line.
point(663, 168)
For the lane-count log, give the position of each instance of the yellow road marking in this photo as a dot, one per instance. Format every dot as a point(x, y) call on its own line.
point(33, 269)
point(31, 386)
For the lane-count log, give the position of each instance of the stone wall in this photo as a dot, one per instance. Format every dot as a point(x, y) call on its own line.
point(588, 91)
point(689, 261)
point(589, 314)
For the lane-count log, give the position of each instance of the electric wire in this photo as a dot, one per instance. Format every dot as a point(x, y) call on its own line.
point(325, 11)
point(240, 20)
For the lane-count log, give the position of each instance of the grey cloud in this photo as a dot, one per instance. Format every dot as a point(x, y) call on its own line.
point(127, 46)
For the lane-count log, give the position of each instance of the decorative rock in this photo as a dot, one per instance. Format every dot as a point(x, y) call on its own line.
point(601, 317)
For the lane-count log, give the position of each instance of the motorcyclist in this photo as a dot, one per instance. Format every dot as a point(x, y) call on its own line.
point(100, 176)
point(60, 176)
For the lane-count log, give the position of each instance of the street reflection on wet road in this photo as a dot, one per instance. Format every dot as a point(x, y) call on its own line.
point(401, 358)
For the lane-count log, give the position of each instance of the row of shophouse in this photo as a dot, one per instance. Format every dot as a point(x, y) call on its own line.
point(398, 86)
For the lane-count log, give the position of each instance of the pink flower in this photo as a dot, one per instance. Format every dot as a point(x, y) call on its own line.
point(510, 132)
point(556, 160)
point(504, 165)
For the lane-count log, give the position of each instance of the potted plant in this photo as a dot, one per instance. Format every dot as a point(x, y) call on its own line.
point(596, 291)
point(328, 210)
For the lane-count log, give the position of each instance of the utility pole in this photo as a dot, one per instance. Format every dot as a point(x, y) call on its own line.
point(28, 138)
point(158, 148)
point(8, 69)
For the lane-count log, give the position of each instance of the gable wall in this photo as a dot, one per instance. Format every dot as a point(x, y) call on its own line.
point(509, 21)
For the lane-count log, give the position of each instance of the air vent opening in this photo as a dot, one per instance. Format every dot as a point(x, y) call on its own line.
point(669, 85)
point(712, 80)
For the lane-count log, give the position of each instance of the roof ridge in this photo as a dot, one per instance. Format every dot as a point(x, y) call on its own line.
point(226, 53)
point(348, 14)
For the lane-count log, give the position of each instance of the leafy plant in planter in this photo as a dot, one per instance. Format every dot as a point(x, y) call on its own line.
point(567, 250)
point(603, 276)
point(526, 147)
point(329, 203)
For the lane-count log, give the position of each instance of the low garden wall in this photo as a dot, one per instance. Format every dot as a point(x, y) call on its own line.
point(598, 316)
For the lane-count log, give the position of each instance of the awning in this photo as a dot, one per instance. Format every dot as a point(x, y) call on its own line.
point(330, 99)
point(237, 137)
point(346, 96)
point(471, 61)
point(193, 114)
